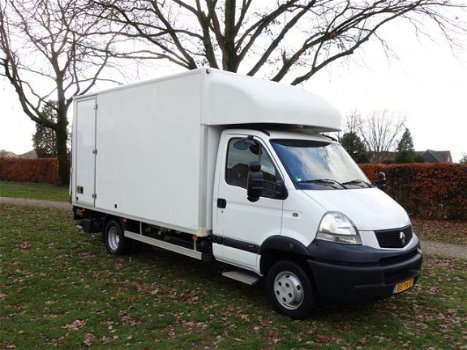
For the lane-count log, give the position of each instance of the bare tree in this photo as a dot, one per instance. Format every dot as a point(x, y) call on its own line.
point(381, 132)
point(291, 39)
point(50, 50)
point(353, 122)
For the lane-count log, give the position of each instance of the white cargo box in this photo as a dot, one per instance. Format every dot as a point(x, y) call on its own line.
point(147, 151)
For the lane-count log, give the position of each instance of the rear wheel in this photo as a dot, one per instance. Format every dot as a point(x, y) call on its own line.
point(114, 239)
point(290, 290)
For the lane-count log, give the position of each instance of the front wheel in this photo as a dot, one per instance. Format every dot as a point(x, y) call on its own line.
point(290, 290)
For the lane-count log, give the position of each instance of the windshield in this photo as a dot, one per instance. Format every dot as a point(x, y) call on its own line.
point(319, 165)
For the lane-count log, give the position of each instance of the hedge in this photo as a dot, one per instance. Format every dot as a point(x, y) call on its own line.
point(430, 191)
point(29, 170)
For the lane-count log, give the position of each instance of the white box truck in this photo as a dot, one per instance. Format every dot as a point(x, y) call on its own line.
point(223, 167)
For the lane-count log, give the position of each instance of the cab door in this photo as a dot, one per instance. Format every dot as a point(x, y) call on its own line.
point(241, 225)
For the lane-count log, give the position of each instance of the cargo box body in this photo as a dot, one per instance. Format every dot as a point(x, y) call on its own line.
point(141, 152)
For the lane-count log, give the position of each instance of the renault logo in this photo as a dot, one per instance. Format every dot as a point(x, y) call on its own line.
point(402, 237)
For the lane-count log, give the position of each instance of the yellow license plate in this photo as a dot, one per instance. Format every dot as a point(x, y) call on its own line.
point(400, 287)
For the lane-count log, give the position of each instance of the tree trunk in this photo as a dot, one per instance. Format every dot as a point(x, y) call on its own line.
point(62, 136)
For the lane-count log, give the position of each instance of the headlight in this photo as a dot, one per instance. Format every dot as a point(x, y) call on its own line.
point(336, 227)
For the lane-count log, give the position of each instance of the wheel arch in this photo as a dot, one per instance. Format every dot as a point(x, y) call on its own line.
point(277, 248)
point(107, 218)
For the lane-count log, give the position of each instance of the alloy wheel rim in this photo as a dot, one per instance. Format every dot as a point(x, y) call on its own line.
point(113, 238)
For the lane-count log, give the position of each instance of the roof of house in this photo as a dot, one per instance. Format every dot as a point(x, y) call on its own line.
point(436, 156)
point(7, 154)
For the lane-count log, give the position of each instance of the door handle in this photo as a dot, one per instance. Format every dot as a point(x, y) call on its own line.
point(221, 203)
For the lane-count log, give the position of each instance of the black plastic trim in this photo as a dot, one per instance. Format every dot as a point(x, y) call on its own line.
point(279, 243)
point(221, 203)
point(285, 244)
point(237, 244)
point(353, 254)
point(348, 273)
point(351, 283)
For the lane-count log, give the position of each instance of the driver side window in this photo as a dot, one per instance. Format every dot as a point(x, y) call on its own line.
point(240, 153)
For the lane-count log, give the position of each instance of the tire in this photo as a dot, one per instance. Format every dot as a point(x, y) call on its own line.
point(114, 240)
point(290, 290)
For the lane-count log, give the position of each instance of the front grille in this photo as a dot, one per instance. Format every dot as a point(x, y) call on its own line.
point(394, 238)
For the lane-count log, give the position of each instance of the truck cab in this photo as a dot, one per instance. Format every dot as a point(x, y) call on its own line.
point(316, 226)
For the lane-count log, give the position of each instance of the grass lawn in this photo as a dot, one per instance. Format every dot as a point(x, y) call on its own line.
point(60, 289)
point(33, 191)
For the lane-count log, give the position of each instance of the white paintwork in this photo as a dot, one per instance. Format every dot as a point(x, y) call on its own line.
point(308, 213)
point(150, 153)
point(251, 222)
point(235, 99)
point(367, 207)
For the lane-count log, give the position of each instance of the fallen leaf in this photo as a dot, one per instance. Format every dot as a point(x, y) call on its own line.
point(244, 317)
point(88, 339)
point(322, 339)
point(75, 325)
point(128, 320)
point(24, 246)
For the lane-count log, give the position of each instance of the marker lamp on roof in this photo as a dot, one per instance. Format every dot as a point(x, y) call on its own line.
point(336, 227)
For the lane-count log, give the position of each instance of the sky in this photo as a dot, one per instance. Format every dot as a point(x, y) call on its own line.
point(426, 83)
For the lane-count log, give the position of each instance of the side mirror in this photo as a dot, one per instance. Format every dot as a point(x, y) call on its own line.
point(381, 182)
point(254, 183)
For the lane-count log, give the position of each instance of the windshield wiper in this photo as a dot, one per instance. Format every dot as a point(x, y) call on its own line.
point(326, 182)
point(357, 182)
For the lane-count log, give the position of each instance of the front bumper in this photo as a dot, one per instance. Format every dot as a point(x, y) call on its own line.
point(347, 273)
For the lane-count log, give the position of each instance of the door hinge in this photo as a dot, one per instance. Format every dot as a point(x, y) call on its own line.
point(94, 151)
point(95, 107)
point(94, 195)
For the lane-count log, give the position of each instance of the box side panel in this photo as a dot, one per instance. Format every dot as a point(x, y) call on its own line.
point(149, 151)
